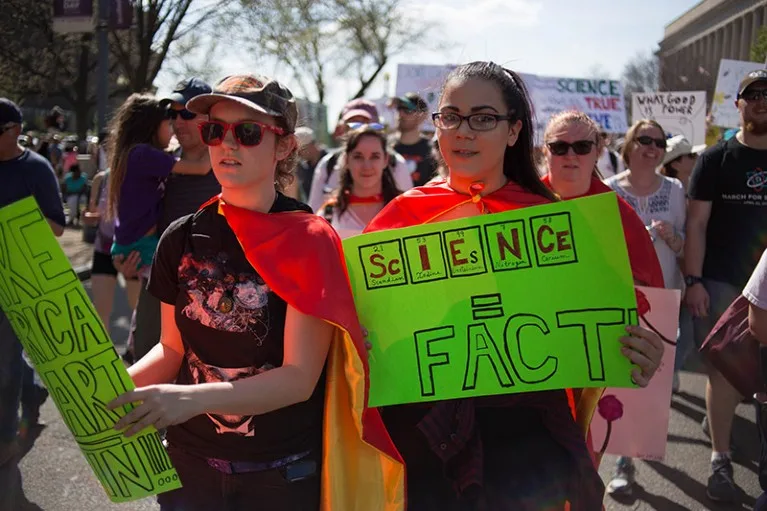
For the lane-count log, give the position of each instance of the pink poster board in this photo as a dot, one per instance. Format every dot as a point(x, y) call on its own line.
point(642, 429)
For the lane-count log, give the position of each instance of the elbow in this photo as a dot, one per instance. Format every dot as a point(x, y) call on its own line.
point(57, 230)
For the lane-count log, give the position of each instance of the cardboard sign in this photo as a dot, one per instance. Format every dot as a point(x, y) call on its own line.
point(680, 113)
point(526, 300)
point(731, 73)
point(600, 99)
point(65, 340)
point(642, 429)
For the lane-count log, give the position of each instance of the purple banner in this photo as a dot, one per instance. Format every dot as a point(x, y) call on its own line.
point(120, 14)
point(72, 8)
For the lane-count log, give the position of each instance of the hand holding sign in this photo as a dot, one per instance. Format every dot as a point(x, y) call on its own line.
point(645, 349)
point(162, 406)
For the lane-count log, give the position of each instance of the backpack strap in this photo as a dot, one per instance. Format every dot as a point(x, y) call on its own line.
point(613, 160)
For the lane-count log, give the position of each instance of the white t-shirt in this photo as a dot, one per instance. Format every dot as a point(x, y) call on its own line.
point(322, 188)
point(756, 289)
point(347, 225)
point(668, 203)
point(605, 164)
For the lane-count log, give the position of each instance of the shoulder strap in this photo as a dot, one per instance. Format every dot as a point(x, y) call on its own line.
point(330, 166)
point(327, 211)
point(613, 161)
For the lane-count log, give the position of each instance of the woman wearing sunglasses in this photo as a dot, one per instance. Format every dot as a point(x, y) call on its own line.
point(661, 204)
point(511, 452)
point(254, 296)
point(139, 165)
point(367, 184)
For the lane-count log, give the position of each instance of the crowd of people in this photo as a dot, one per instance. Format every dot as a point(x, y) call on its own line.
point(245, 346)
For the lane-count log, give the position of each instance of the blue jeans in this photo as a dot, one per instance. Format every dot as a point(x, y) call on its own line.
point(11, 375)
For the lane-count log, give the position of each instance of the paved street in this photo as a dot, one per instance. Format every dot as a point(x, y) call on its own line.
point(53, 475)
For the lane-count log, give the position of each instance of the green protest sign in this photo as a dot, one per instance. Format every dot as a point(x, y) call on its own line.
point(526, 300)
point(71, 351)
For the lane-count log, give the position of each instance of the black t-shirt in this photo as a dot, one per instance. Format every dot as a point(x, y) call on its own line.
point(419, 160)
point(232, 327)
point(733, 178)
point(184, 194)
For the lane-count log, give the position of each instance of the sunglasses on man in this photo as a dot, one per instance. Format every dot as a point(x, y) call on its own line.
point(185, 114)
point(246, 133)
point(754, 94)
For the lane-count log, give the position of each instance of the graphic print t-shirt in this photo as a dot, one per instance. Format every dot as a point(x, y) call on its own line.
point(733, 178)
point(232, 327)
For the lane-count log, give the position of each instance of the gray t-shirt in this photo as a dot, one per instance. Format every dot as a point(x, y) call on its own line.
point(184, 194)
point(756, 289)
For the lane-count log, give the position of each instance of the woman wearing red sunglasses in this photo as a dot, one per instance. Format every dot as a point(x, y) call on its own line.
point(255, 301)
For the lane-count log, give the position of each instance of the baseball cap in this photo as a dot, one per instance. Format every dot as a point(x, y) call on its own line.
point(256, 92)
point(679, 146)
point(305, 135)
point(760, 75)
point(9, 112)
point(412, 102)
point(359, 107)
point(186, 90)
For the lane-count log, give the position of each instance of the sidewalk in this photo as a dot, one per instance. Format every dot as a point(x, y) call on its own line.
point(80, 253)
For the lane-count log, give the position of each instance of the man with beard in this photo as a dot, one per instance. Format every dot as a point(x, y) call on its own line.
point(726, 222)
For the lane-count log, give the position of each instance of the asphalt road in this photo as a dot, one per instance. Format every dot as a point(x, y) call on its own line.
point(53, 475)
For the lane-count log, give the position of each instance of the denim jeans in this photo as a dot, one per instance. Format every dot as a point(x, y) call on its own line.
point(11, 375)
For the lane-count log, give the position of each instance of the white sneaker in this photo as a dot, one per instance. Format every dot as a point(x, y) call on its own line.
point(622, 483)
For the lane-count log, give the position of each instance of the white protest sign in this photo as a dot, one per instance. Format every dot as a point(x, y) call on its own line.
point(600, 99)
point(424, 80)
point(680, 113)
point(731, 72)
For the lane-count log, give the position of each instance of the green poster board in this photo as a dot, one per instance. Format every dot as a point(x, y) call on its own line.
point(71, 351)
point(526, 300)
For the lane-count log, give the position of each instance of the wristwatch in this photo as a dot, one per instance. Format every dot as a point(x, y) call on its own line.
point(691, 280)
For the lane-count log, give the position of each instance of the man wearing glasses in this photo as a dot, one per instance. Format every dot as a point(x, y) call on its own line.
point(23, 173)
point(726, 222)
point(184, 194)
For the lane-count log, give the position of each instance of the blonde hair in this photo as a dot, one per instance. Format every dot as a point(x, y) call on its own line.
point(569, 117)
point(631, 136)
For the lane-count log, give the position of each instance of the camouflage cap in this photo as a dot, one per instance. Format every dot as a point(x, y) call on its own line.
point(259, 93)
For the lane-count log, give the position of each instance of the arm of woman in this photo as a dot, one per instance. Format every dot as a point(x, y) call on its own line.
point(162, 363)
point(307, 340)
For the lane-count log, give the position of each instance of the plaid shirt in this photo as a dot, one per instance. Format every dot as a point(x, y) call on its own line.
point(452, 435)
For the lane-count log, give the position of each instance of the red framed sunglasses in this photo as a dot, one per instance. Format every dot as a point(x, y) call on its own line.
point(246, 133)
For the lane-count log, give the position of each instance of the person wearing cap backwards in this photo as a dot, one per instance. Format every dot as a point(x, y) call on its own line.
point(727, 219)
point(184, 194)
point(24, 173)
point(680, 158)
point(412, 111)
point(354, 115)
point(255, 305)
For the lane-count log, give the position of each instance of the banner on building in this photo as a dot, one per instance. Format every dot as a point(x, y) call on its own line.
point(724, 112)
point(680, 113)
point(72, 16)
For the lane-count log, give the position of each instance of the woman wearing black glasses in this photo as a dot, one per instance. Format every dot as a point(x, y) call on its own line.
point(255, 299)
point(510, 452)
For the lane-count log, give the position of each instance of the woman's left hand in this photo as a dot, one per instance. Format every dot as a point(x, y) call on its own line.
point(161, 406)
point(645, 349)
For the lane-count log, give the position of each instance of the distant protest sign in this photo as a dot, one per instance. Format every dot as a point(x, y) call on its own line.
point(640, 430)
point(600, 99)
point(64, 338)
point(526, 300)
point(680, 113)
point(731, 72)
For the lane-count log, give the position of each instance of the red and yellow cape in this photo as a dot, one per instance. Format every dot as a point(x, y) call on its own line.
point(299, 256)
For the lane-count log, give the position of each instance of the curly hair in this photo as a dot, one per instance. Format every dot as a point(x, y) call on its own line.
point(285, 172)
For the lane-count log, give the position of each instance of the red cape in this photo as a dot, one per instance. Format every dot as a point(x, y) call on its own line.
point(642, 257)
point(299, 256)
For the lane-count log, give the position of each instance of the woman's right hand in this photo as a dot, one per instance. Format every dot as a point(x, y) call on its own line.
point(697, 300)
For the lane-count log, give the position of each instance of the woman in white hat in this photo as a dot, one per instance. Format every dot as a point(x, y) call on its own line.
point(680, 158)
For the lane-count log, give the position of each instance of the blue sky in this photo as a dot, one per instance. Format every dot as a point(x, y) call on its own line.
point(547, 37)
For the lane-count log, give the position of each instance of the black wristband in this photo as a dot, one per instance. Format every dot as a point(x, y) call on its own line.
point(691, 280)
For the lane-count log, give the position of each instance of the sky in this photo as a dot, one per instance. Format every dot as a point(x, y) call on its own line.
point(548, 37)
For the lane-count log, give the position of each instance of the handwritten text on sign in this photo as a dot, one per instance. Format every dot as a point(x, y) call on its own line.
point(680, 113)
point(71, 351)
point(520, 301)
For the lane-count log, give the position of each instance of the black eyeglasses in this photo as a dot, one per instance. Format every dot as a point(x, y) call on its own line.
point(184, 114)
point(754, 94)
point(561, 148)
point(477, 122)
point(660, 143)
point(246, 133)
